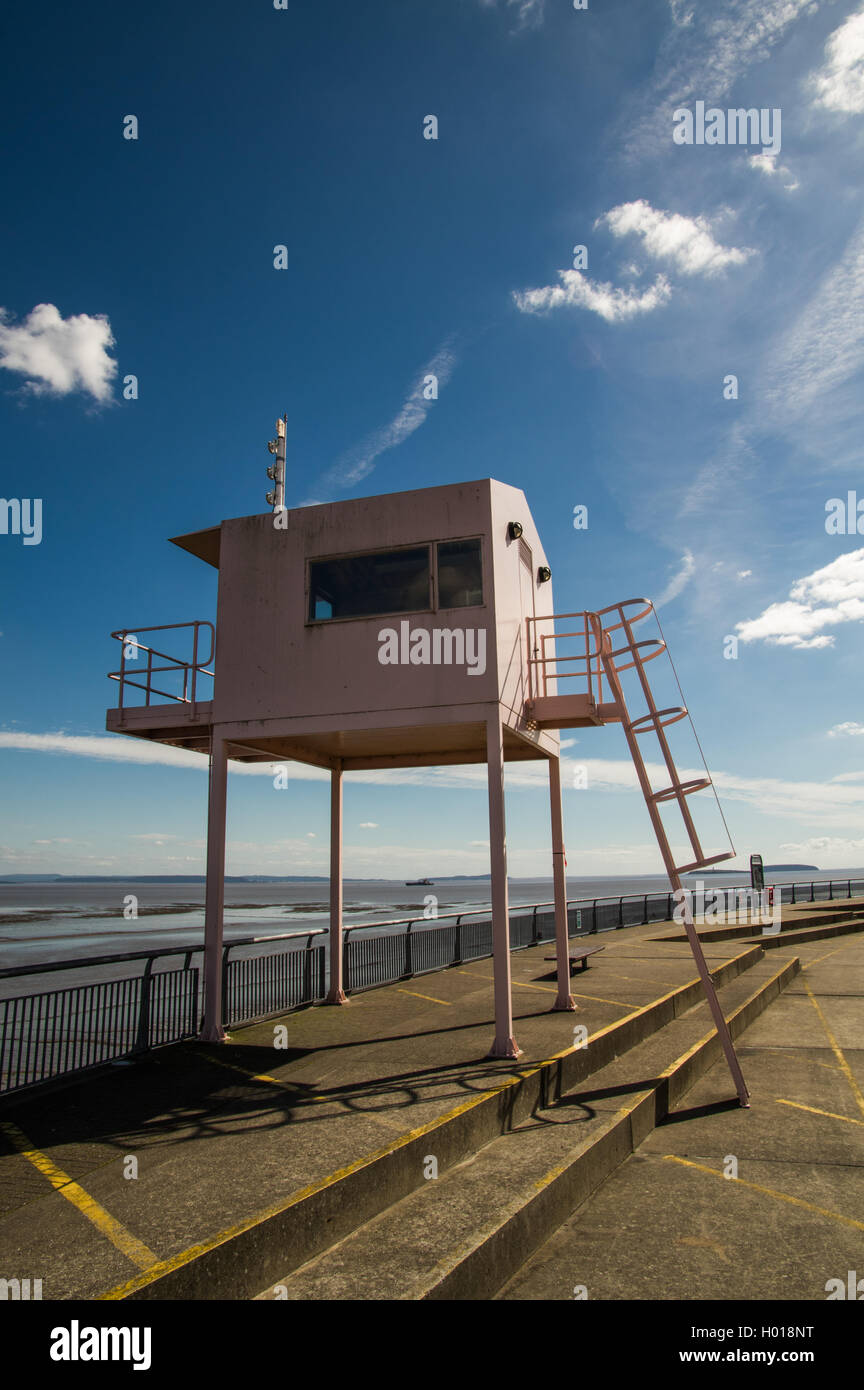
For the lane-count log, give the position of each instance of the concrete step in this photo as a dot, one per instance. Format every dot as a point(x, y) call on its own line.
point(314, 1219)
point(463, 1234)
point(809, 927)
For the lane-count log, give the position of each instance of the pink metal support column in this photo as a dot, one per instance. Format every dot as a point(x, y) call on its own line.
point(505, 1044)
point(565, 999)
point(212, 1030)
point(336, 994)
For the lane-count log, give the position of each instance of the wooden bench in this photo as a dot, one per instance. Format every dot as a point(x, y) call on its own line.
point(579, 953)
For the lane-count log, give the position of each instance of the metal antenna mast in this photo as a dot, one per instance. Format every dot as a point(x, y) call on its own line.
point(276, 471)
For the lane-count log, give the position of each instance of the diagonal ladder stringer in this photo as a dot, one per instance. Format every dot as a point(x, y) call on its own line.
point(614, 662)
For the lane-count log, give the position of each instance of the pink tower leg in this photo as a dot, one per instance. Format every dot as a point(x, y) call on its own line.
point(564, 999)
point(505, 1044)
point(336, 994)
point(211, 1029)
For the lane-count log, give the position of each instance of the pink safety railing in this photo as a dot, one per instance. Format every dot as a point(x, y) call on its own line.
point(589, 632)
point(189, 667)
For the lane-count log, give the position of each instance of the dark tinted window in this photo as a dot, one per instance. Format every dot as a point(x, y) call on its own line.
point(359, 586)
point(460, 574)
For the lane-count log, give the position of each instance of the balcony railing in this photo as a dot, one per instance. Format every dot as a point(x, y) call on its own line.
point(550, 651)
point(186, 668)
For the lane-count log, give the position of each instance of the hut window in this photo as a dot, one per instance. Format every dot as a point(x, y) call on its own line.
point(460, 574)
point(361, 586)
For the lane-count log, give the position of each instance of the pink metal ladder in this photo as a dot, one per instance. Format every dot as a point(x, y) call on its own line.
point(633, 655)
point(599, 658)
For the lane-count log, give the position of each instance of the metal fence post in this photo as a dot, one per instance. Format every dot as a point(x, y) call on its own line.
point(346, 960)
point(307, 971)
point(142, 1039)
point(534, 937)
point(408, 963)
point(457, 942)
point(226, 1010)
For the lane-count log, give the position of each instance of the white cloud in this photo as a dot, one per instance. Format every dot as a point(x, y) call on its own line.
point(685, 241)
point(825, 598)
point(839, 83)
point(841, 851)
point(57, 355)
point(743, 574)
point(767, 163)
point(613, 304)
point(368, 825)
point(358, 463)
point(679, 581)
point(847, 730)
point(827, 802)
point(117, 749)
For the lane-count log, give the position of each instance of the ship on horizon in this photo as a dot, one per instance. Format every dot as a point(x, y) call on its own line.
point(419, 883)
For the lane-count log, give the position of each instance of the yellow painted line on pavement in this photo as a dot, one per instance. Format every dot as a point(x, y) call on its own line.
point(516, 984)
point(430, 997)
point(250, 1076)
point(844, 947)
point(519, 1074)
point(837, 1050)
point(829, 1114)
point(551, 989)
point(129, 1245)
point(600, 1000)
point(766, 1191)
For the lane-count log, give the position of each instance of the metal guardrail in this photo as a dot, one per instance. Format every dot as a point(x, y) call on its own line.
point(60, 1032)
point(190, 668)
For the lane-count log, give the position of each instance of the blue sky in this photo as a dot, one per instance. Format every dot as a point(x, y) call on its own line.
point(601, 385)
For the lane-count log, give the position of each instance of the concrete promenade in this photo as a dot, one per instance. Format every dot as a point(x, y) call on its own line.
point(668, 1224)
point(253, 1159)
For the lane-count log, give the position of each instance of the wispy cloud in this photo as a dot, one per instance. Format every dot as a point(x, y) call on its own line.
point(839, 84)
point(825, 598)
point(576, 291)
point(358, 463)
point(848, 730)
point(679, 581)
point(668, 236)
point(57, 356)
point(529, 13)
point(703, 57)
point(824, 347)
